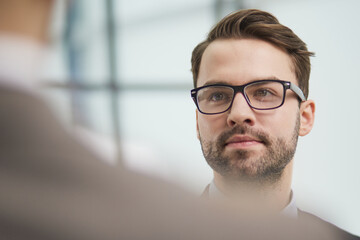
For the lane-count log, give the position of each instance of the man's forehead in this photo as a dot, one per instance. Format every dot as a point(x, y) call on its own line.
point(238, 61)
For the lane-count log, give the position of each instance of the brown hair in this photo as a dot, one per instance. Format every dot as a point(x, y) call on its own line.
point(261, 25)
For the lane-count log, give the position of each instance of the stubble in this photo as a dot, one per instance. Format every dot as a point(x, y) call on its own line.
point(241, 165)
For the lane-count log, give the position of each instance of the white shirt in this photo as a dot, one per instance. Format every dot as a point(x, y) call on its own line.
point(290, 210)
point(21, 62)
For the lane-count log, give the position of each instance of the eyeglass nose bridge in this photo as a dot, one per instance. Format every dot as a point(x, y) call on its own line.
point(239, 89)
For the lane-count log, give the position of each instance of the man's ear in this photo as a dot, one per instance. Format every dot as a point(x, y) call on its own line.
point(197, 125)
point(307, 117)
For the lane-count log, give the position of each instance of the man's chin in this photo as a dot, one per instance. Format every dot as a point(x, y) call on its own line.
point(245, 160)
point(252, 170)
point(254, 174)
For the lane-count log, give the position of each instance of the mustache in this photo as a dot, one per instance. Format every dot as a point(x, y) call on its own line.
point(260, 135)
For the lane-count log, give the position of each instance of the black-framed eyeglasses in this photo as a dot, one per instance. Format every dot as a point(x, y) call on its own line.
point(260, 95)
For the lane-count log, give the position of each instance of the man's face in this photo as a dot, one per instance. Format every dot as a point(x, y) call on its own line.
point(244, 143)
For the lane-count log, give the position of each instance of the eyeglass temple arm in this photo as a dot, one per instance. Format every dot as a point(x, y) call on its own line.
point(298, 91)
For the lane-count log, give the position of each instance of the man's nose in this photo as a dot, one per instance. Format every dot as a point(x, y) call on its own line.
point(240, 112)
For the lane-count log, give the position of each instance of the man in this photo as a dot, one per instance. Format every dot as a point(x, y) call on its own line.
point(52, 187)
point(251, 78)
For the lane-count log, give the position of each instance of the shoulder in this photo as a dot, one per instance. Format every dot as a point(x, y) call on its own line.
point(317, 221)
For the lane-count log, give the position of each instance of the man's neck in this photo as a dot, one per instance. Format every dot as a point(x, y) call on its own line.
point(264, 196)
point(26, 18)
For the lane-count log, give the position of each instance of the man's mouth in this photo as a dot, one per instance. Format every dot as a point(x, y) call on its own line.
point(242, 141)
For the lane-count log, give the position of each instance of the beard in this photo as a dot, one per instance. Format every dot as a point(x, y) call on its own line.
point(241, 165)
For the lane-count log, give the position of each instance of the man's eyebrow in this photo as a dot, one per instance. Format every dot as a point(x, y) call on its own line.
point(213, 82)
point(271, 78)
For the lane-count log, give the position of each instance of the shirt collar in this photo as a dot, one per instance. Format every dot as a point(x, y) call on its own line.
point(290, 210)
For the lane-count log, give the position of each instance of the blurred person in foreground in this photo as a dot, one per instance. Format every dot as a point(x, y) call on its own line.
point(251, 79)
point(52, 187)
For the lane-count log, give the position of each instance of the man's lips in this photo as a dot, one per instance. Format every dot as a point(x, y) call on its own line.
point(242, 141)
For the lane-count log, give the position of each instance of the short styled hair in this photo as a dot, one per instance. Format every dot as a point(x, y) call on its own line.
point(257, 24)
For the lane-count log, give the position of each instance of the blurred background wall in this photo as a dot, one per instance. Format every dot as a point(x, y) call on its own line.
point(119, 71)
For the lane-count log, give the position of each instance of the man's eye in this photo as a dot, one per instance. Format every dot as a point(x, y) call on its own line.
point(216, 97)
point(263, 93)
